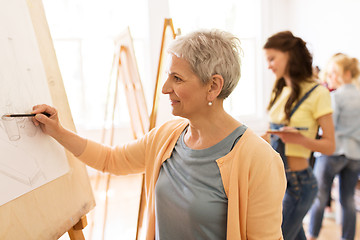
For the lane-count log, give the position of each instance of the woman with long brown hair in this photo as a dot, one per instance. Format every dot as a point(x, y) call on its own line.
point(297, 107)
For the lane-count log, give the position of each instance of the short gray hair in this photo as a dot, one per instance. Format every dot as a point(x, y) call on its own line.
point(211, 52)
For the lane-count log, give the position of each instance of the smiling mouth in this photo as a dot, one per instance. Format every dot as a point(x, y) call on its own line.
point(174, 102)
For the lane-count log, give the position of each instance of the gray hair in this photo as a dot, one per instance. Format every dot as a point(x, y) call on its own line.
point(211, 52)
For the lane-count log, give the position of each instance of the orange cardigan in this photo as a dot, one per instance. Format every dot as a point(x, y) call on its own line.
point(252, 173)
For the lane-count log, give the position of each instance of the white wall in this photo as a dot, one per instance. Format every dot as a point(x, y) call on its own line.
point(329, 26)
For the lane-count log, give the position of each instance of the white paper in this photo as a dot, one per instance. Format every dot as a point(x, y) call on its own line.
point(28, 157)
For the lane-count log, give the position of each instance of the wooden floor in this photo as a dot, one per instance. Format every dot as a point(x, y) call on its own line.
point(331, 229)
point(122, 208)
point(123, 203)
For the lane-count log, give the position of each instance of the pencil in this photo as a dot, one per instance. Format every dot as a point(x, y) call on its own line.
point(25, 114)
point(301, 128)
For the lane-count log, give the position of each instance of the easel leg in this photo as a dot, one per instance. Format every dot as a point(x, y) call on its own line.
point(75, 233)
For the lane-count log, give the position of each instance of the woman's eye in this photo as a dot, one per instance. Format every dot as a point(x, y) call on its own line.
point(269, 60)
point(177, 78)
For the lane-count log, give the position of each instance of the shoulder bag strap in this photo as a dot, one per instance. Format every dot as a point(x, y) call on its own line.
point(311, 158)
point(302, 99)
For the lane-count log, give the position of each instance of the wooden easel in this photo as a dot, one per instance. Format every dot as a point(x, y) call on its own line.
point(124, 71)
point(50, 210)
point(127, 71)
point(168, 26)
point(75, 233)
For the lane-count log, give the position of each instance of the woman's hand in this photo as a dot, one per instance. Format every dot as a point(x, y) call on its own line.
point(49, 125)
point(290, 135)
point(325, 145)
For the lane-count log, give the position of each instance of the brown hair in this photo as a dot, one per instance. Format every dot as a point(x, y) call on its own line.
point(299, 66)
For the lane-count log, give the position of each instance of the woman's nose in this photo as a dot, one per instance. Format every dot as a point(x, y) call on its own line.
point(166, 89)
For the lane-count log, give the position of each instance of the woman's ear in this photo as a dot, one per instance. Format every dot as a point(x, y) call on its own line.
point(215, 86)
point(347, 76)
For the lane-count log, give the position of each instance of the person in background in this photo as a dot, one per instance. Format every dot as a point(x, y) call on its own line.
point(323, 75)
point(298, 105)
point(207, 176)
point(343, 76)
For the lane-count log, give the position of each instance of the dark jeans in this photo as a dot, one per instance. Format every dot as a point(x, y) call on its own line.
point(300, 193)
point(299, 196)
point(326, 168)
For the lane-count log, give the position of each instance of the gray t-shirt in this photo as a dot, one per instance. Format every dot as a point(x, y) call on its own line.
point(190, 200)
point(346, 115)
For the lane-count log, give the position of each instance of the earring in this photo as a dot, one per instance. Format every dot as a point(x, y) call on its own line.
point(210, 103)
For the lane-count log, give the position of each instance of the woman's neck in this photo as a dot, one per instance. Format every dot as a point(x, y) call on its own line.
point(287, 81)
point(206, 132)
point(346, 77)
point(347, 81)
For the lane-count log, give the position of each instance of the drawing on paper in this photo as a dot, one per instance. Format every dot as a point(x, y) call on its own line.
point(28, 157)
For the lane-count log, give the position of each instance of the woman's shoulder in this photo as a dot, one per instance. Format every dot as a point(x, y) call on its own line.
point(254, 144)
point(321, 88)
point(308, 85)
point(174, 126)
point(320, 92)
point(253, 152)
point(346, 94)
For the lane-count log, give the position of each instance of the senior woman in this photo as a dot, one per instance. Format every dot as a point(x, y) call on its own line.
point(207, 176)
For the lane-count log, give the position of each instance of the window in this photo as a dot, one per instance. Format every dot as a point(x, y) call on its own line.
point(83, 33)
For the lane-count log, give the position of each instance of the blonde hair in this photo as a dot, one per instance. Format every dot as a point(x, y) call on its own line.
point(345, 63)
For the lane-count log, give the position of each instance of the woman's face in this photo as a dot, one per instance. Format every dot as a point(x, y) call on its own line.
point(334, 77)
point(277, 62)
point(186, 91)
